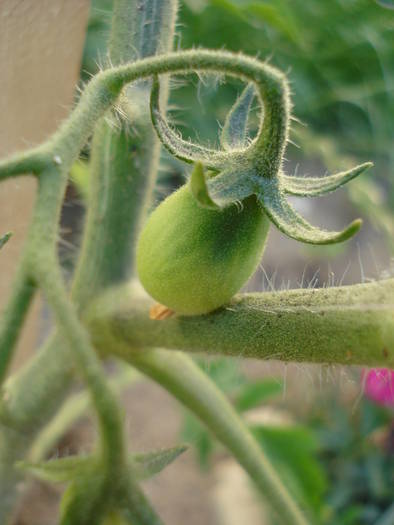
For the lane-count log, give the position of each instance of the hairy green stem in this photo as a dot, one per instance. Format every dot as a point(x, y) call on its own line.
point(13, 317)
point(348, 324)
point(124, 157)
point(51, 188)
point(113, 459)
point(143, 30)
point(42, 236)
point(180, 376)
point(89, 366)
point(104, 89)
point(45, 269)
point(42, 267)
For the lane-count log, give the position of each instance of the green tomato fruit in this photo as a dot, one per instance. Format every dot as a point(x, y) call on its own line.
point(193, 259)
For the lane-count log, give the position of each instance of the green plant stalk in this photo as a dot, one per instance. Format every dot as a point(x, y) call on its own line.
point(104, 89)
point(179, 375)
point(142, 30)
point(347, 325)
point(13, 317)
point(124, 156)
point(42, 267)
point(110, 419)
point(12, 440)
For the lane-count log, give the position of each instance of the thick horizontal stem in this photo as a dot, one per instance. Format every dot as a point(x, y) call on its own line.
point(346, 325)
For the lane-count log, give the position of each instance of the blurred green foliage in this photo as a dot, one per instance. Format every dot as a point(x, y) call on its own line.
point(338, 462)
point(357, 450)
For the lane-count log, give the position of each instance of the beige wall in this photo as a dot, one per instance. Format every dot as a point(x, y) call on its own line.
point(41, 42)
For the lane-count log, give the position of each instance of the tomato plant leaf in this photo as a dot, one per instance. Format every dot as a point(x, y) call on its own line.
point(199, 189)
point(5, 238)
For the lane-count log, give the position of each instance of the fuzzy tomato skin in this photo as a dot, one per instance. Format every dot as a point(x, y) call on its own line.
point(193, 259)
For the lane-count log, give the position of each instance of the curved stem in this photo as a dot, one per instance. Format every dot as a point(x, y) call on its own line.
point(182, 149)
point(179, 375)
point(105, 87)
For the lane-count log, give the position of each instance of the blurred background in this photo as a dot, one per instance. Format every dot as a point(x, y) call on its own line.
point(327, 431)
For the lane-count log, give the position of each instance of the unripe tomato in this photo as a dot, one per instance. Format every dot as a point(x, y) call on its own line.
point(193, 259)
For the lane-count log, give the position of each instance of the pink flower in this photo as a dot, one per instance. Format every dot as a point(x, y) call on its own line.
point(379, 385)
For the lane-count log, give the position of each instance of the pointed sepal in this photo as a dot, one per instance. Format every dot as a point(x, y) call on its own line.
point(151, 463)
point(182, 149)
point(288, 221)
point(234, 132)
point(315, 186)
point(59, 470)
point(199, 189)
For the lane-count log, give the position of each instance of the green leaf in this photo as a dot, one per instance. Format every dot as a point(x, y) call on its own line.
point(199, 189)
point(276, 17)
point(388, 4)
point(152, 463)
point(292, 451)
point(62, 470)
point(283, 215)
point(234, 132)
point(314, 186)
point(59, 470)
point(5, 238)
point(252, 394)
